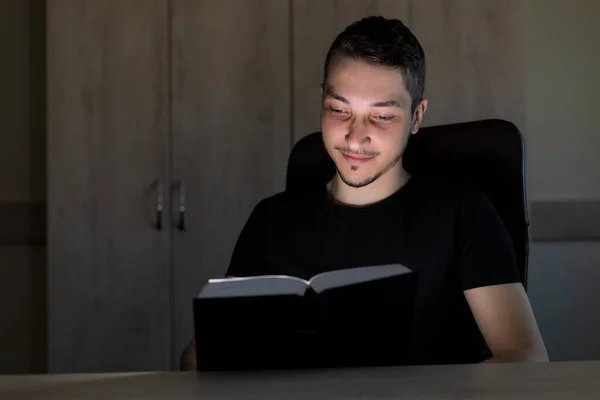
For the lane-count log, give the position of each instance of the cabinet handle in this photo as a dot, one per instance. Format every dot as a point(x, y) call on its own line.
point(159, 205)
point(181, 207)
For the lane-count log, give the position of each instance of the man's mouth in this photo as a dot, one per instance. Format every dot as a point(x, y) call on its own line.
point(356, 158)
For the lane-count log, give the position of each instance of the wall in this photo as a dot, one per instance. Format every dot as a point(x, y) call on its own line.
point(562, 137)
point(563, 288)
point(22, 187)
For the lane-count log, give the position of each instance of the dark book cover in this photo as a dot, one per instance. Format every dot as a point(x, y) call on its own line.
point(349, 317)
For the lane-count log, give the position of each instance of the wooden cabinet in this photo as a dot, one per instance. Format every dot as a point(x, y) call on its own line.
point(231, 132)
point(146, 98)
point(108, 265)
point(192, 106)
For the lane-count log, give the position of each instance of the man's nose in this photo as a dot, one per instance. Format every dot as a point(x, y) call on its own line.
point(358, 135)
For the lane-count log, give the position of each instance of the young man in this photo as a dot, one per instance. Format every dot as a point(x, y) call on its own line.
point(470, 305)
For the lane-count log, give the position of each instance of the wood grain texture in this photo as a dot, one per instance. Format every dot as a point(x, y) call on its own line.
point(316, 23)
point(108, 280)
point(22, 147)
point(475, 59)
point(231, 132)
point(547, 381)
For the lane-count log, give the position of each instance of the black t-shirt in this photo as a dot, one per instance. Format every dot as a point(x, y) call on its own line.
point(450, 235)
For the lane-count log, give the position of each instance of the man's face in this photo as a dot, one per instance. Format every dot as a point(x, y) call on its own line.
point(366, 120)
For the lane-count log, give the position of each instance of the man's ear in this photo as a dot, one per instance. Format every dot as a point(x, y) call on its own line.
point(322, 88)
point(418, 117)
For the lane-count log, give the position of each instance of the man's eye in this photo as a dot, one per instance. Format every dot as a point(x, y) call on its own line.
point(384, 117)
point(336, 110)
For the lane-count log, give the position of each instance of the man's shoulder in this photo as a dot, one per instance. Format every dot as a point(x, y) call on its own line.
point(285, 203)
point(451, 207)
point(278, 199)
point(447, 192)
point(466, 208)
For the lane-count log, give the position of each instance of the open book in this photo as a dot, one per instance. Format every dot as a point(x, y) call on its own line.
point(283, 321)
point(284, 285)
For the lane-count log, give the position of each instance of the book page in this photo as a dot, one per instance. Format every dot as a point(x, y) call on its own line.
point(351, 276)
point(268, 285)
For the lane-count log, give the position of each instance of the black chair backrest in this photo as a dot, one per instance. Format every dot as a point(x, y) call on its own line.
point(489, 154)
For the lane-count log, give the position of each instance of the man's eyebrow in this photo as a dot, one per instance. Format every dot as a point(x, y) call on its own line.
point(389, 103)
point(330, 93)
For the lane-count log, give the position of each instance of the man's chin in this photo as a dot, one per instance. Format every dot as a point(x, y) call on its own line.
point(356, 180)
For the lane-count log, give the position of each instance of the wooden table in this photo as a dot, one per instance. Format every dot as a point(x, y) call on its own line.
point(564, 381)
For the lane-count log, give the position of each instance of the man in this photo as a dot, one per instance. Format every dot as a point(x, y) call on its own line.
point(470, 306)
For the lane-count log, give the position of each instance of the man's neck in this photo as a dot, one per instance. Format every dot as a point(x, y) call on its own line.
point(376, 191)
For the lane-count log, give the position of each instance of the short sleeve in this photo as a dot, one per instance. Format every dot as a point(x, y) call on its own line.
point(486, 253)
point(249, 254)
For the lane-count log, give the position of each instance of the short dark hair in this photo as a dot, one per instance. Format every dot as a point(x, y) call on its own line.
point(383, 42)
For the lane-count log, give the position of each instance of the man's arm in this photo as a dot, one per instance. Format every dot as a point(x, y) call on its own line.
point(506, 321)
point(188, 357)
point(492, 284)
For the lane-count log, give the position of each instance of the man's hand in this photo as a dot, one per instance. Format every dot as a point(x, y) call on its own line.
point(188, 357)
point(505, 318)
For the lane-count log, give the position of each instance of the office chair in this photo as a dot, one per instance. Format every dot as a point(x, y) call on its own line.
point(489, 154)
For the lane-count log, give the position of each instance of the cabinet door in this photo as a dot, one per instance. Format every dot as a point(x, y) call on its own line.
point(316, 23)
point(231, 131)
point(108, 277)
